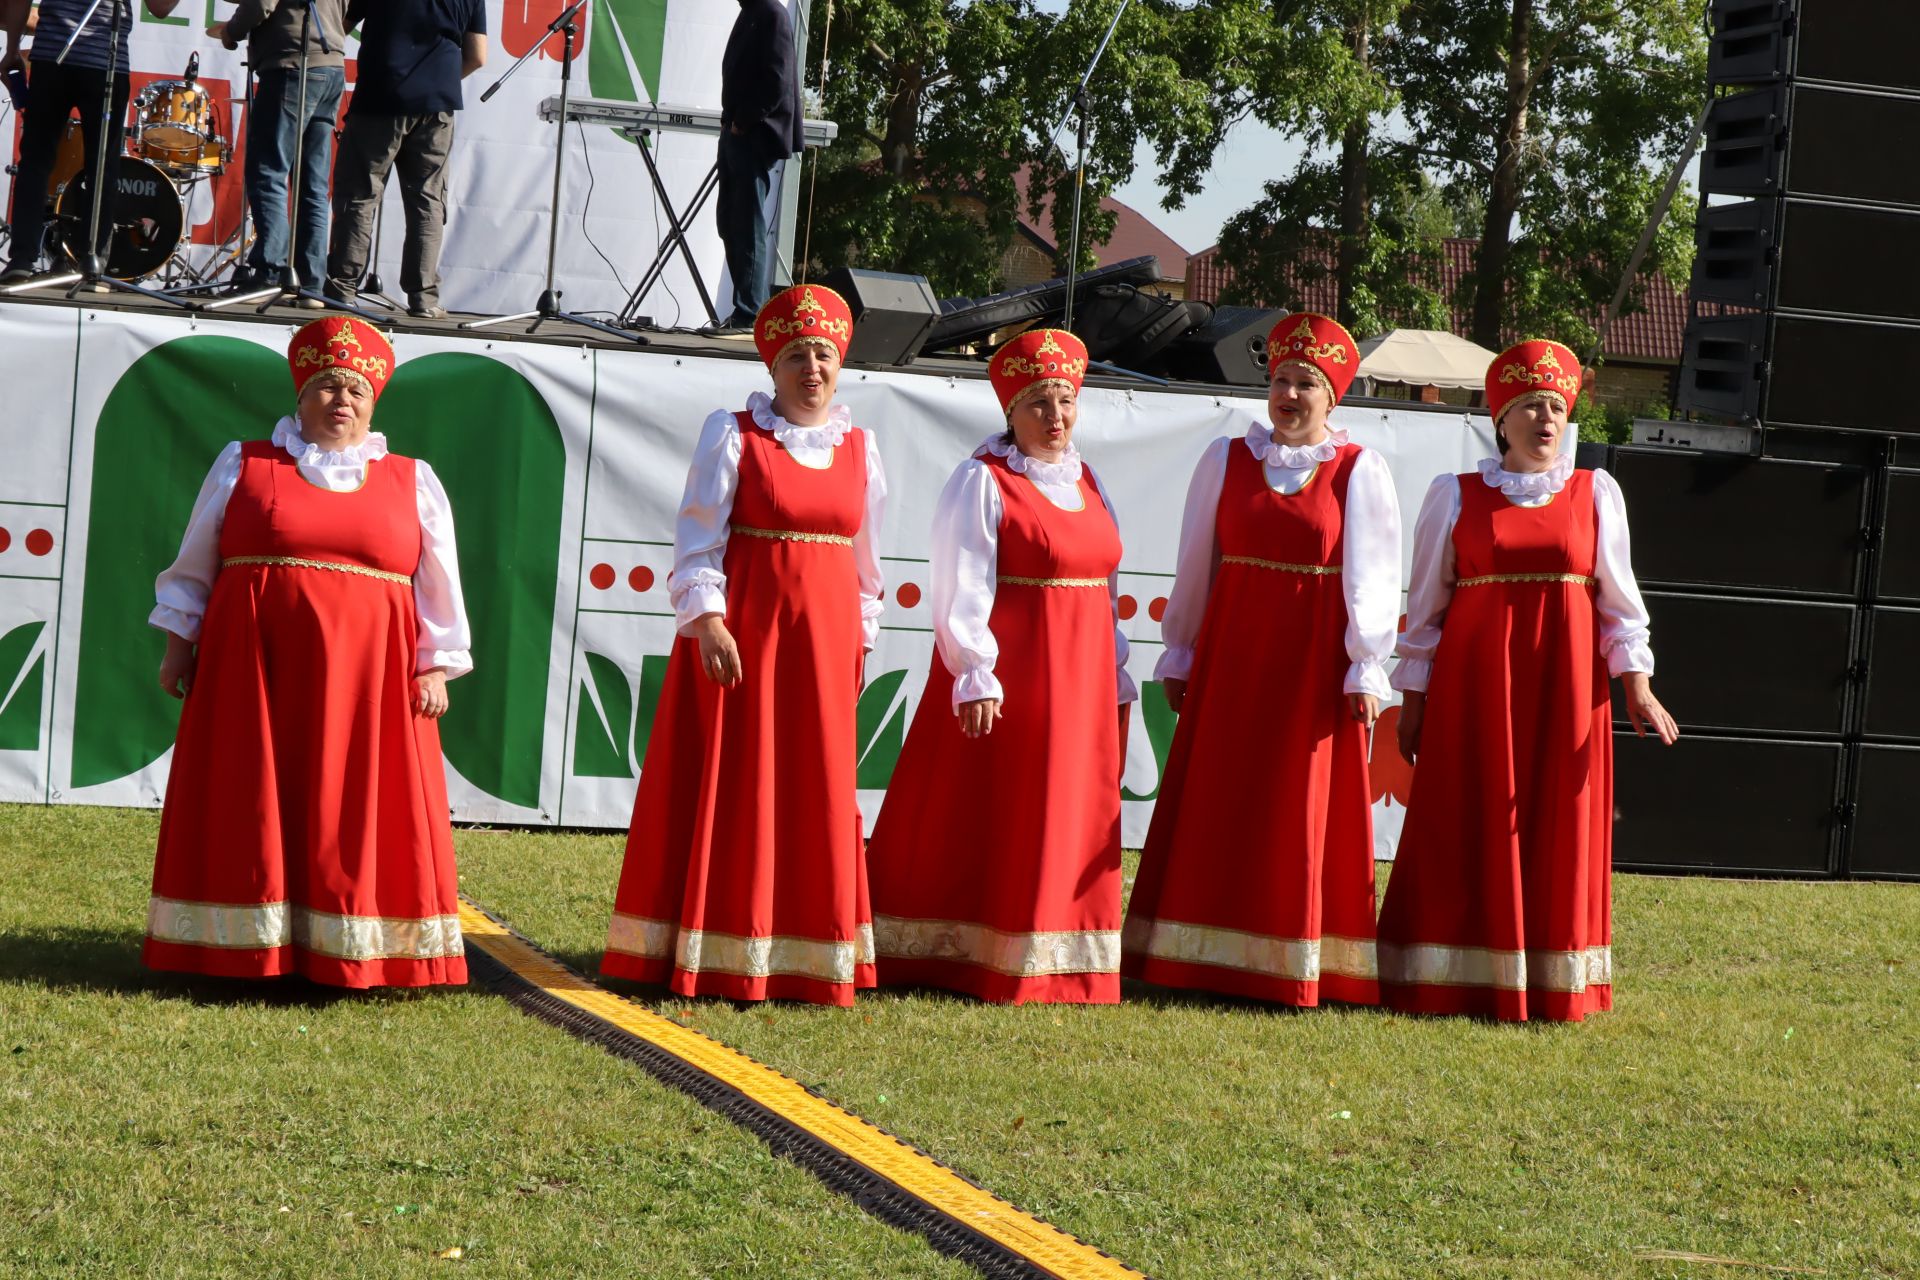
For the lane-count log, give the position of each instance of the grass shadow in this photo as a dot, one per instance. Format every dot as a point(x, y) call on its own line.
point(80, 960)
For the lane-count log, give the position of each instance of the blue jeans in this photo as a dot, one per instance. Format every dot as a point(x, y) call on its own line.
point(272, 125)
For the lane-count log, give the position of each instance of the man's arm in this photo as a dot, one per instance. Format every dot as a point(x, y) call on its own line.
point(13, 20)
point(473, 54)
point(248, 16)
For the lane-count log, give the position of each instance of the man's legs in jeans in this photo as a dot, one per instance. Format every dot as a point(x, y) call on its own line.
point(367, 150)
point(270, 123)
point(740, 208)
point(423, 193)
point(324, 86)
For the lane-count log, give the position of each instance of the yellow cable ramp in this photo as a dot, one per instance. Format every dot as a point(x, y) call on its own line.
point(1043, 1247)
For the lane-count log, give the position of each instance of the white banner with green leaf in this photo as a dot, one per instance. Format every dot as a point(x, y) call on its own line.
point(565, 467)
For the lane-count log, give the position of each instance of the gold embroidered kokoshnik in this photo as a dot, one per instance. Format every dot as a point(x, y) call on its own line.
point(1281, 566)
point(1577, 579)
point(794, 535)
point(1008, 579)
point(295, 562)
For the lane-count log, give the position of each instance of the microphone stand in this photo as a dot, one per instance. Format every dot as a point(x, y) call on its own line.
point(1078, 107)
point(548, 307)
point(92, 276)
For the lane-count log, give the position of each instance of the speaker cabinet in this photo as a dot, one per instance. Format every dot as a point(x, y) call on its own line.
point(1724, 521)
point(1900, 544)
point(1751, 666)
point(892, 314)
point(1727, 805)
point(1231, 349)
point(1893, 676)
point(1884, 844)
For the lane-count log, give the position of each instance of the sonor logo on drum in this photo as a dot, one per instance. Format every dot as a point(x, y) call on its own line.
point(137, 186)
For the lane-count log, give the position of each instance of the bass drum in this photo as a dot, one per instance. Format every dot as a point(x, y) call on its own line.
point(148, 220)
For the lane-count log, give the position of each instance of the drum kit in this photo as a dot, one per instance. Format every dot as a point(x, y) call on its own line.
point(173, 144)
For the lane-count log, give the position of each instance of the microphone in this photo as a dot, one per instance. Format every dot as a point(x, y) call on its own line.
point(314, 18)
point(193, 66)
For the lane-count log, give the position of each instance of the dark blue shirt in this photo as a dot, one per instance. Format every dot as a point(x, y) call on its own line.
point(410, 53)
point(57, 21)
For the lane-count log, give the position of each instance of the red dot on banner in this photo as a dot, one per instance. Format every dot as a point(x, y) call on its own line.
point(601, 576)
point(908, 595)
point(6, 539)
point(39, 542)
point(641, 579)
point(1128, 607)
point(1158, 609)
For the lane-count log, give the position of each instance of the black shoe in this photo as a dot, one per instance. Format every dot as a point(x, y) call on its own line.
point(427, 311)
point(15, 275)
point(334, 293)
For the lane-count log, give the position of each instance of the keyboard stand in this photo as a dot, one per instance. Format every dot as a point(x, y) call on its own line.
point(676, 237)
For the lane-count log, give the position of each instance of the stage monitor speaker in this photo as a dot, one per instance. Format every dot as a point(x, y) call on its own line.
point(1127, 326)
point(1757, 524)
point(1751, 666)
point(1893, 677)
point(1725, 805)
point(965, 320)
point(892, 314)
point(1883, 846)
point(1231, 349)
point(1900, 542)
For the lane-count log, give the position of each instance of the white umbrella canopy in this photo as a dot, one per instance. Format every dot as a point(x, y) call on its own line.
point(1425, 358)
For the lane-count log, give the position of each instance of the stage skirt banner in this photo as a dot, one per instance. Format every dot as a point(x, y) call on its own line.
point(500, 183)
point(565, 467)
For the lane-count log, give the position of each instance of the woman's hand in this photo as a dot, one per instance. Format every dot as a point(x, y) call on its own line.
point(1364, 707)
point(719, 655)
point(1413, 710)
point(1176, 691)
point(977, 717)
point(1645, 711)
point(176, 668)
point(430, 693)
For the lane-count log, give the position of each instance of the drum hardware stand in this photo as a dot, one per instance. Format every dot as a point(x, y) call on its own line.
point(548, 307)
point(203, 279)
point(92, 277)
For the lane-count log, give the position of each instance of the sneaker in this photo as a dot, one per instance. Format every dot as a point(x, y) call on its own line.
point(427, 311)
point(335, 293)
point(15, 275)
point(307, 302)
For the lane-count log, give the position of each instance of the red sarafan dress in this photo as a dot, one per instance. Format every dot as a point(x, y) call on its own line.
point(306, 822)
point(996, 860)
point(1499, 901)
point(1257, 876)
point(743, 875)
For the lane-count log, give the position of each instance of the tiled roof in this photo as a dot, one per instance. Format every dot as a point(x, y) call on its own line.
point(1653, 333)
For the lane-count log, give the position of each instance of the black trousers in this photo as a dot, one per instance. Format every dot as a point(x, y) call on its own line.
point(740, 208)
point(53, 93)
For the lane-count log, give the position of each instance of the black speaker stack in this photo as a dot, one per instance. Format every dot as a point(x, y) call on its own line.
point(1784, 577)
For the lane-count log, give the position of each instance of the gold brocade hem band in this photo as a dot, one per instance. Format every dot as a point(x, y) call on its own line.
point(1281, 566)
point(1019, 955)
point(1291, 959)
point(1008, 580)
point(1577, 579)
point(281, 924)
point(296, 562)
point(793, 535)
point(701, 950)
point(1426, 963)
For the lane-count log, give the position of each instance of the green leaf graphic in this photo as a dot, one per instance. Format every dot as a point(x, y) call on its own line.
point(20, 708)
point(1160, 725)
point(625, 48)
point(653, 677)
point(880, 727)
point(488, 435)
point(602, 733)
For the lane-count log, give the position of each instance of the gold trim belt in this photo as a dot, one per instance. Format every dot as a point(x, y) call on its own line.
point(794, 535)
point(1007, 579)
point(1280, 566)
point(1577, 579)
point(295, 562)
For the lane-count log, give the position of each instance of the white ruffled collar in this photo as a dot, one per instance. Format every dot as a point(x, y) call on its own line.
point(286, 435)
point(1064, 472)
point(828, 435)
point(1527, 484)
point(1293, 457)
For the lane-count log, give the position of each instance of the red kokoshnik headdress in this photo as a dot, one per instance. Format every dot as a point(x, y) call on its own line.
point(344, 343)
point(1530, 367)
point(1036, 359)
point(803, 313)
point(1317, 340)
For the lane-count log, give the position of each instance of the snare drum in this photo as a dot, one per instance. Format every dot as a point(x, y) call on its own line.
point(173, 121)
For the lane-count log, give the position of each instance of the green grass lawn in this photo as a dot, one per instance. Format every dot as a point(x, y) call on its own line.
point(1755, 1096)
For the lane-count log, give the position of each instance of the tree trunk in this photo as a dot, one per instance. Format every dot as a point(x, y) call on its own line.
point(1355, 224)
point(901, 145)
point(1503, 199)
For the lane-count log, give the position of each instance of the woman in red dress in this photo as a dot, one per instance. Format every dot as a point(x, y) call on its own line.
point(313, 619)
point(1257, 877)
point(743, 875)
point(1523, 601)
point(996, 859)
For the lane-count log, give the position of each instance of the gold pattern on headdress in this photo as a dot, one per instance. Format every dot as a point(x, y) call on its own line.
point(809, 303)
point(344, 335)
point(1049, 345)
point(1304, 332)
